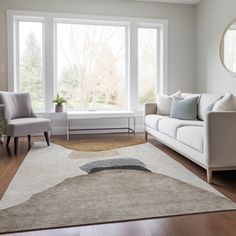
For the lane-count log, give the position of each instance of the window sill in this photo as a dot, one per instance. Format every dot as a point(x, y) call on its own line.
point(97, 114)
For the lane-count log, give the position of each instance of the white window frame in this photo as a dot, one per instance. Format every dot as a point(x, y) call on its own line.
point(50, 43)
point(159, 85)
point(13, 85)
point(92, 22)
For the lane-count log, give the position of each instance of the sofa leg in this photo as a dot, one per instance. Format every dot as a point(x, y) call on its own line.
point(47, 138)
point(209, 176)
point(16, 139)
point(146, 136)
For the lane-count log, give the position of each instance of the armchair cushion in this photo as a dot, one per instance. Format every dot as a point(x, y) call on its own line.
point(18, 105)
point(27, 126)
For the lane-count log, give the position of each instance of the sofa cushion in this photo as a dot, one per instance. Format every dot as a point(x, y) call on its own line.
point(153, 120)
point(205, 101)
point(192, 136)
point(169, 126)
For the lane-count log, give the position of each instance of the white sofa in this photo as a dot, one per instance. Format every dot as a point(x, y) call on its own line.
point(209, 141)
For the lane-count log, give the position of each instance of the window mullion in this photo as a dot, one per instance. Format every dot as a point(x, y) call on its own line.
point(49, 62)
point(133, 83)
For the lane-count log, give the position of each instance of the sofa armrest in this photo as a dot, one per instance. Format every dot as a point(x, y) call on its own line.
point(220, 139)
point(150, 108)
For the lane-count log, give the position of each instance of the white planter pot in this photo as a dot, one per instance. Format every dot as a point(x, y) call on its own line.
point(59, 108)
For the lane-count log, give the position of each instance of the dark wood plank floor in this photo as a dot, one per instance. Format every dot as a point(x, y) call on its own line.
point(215, 224)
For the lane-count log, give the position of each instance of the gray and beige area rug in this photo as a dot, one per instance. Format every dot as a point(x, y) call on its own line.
point(59, 187)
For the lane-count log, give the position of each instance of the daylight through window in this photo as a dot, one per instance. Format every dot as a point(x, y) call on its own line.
point(94, 62)
point(91, 65)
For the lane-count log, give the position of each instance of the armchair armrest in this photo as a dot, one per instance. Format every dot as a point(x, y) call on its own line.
point(2, 108)
point(220, 139)
point(150, 108)
point(2, 118)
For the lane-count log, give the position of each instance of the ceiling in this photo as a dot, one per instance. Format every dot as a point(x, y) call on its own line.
point(174, 1)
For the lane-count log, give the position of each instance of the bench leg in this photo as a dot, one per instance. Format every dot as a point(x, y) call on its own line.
point(209, 176)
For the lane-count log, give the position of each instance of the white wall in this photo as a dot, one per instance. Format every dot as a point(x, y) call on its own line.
point(181, 29)
point(212, 17)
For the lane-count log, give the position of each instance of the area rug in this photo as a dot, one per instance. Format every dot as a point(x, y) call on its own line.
point(99, 144)
point(58, 187)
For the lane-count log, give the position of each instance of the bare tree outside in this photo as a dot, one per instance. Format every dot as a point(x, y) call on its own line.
point(147, 65)
point(91, 66)
point(31, 66)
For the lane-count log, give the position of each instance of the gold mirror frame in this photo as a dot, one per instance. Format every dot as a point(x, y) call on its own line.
point(221, 48)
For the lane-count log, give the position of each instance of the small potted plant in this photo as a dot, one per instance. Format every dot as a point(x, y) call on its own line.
point(59, 101)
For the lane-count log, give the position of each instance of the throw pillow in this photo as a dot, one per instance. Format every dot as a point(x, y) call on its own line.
point(210, 108)
point(164, 103)
point(227, 103)
point(185, 109)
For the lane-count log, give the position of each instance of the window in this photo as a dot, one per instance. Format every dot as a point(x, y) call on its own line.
point(147, 65)
point(30, 61)
point(95, 62)
point(91, 65)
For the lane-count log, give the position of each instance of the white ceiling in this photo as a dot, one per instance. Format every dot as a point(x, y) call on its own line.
point(174, 1)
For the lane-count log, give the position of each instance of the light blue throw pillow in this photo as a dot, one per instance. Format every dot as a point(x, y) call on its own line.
point(185, 109)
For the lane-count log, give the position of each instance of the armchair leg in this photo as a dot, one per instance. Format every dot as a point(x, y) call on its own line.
point(47, 138)
point(209, 176)
point(16, 139)
point(29, 141)
point(8, 140)
point(146, 136)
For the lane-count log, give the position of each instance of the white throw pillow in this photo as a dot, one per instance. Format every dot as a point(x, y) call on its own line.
point(164, 103)
point(227, 103)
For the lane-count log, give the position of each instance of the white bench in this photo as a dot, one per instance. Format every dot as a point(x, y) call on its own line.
point(85, 115)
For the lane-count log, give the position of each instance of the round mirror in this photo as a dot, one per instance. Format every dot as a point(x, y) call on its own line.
point(228, 48)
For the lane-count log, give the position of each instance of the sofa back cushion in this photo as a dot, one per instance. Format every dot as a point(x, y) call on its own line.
point(205, 101)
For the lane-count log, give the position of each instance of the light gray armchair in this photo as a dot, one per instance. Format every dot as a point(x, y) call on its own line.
point(20, 120)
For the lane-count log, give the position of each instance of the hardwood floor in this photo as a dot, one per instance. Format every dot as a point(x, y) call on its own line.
point(217, 224)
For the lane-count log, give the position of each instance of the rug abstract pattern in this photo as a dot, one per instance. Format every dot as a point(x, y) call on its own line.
point(99, 144)
point(122, 188)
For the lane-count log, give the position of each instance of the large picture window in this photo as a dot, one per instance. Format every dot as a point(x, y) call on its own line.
point(147, 65)
point(91, 65)
point(30, 61)
point(94, 62)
